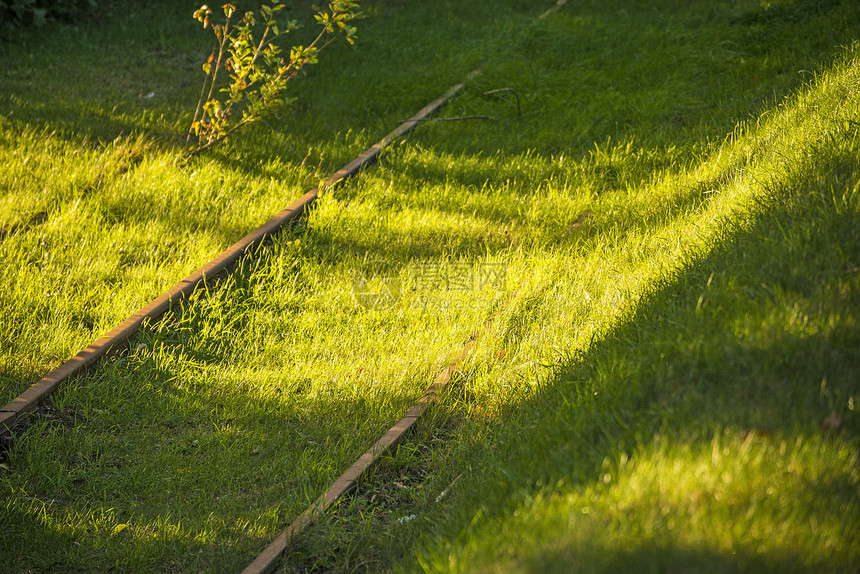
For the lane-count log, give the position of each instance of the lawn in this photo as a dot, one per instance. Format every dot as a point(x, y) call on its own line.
point(652, 244)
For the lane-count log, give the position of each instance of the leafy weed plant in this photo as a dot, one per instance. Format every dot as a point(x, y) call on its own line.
point(258, 73)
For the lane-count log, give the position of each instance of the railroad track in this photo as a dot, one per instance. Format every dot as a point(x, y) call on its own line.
point(16, 413)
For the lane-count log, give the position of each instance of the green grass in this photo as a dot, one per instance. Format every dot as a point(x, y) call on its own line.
point(674, 213)
point(693, 434)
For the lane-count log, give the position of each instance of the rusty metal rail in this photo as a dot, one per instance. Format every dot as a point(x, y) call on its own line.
point(269, 557)
point(17, 410)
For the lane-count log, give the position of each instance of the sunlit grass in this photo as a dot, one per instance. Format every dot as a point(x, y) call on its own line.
point(91, 235)
point(715, 425)
point(725, 504)
point(673, 229)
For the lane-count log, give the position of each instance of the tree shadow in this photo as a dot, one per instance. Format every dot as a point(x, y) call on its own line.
point(654, 556)
point(169, 50)
point(757, 338)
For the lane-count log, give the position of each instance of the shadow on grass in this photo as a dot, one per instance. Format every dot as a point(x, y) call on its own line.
point(659, 556)
point(38, 541)
point(759, 339)
point(37, 77)
point(136, 69)
point(165, 52)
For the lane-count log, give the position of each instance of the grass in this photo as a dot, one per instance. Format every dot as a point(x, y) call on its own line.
point(706, 412)
point(673, 211)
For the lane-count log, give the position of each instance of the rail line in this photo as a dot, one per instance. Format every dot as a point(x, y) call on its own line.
point(16, 411)
point(269, 557)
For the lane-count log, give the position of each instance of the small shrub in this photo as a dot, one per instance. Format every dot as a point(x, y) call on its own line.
point(256, 67)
